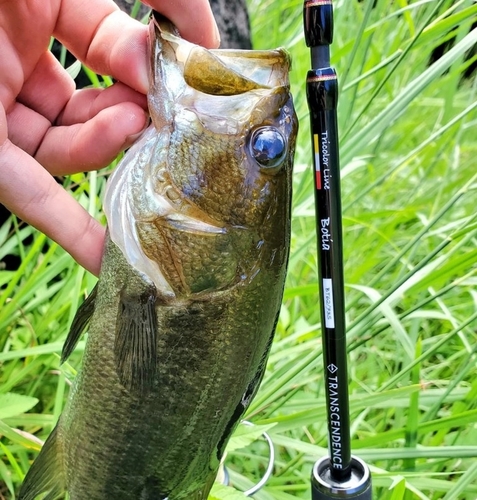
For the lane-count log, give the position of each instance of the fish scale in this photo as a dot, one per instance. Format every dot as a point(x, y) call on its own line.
point(183, 316)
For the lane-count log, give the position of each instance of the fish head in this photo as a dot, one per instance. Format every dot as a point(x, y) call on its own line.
point(209, 184)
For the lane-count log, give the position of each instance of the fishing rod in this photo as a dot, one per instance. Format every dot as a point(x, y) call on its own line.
point(339, 475)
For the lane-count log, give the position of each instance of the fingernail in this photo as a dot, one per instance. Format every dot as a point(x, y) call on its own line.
point(217, 35)
point(143, 78)
point(131, 139)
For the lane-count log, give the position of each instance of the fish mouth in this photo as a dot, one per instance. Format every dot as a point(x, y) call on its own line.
point(224, 72)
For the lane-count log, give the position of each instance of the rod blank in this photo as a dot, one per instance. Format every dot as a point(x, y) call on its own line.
point(340, 475)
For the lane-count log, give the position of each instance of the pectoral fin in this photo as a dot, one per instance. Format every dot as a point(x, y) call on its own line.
point(135, 347)
point(79, 324)
point(46, 473)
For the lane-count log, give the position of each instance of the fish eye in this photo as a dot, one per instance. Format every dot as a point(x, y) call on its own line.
point(268, 147)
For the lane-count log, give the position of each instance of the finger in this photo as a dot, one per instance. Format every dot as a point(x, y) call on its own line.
point(30, 192)
point(11, 69)
point(194, 20)
point(109, 42)
point(48, 88)
point(87, 103)
point(26, 128)
point(112, 43)
point(94, 144)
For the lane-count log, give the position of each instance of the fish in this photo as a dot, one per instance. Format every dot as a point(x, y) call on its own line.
point(181, 321)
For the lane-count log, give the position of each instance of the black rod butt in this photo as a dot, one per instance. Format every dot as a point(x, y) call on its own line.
point(357, 487)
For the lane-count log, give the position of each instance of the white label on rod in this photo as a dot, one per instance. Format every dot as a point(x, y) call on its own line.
point(328, 301)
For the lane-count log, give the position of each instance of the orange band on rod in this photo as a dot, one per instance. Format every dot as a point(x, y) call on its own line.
point(312, 3)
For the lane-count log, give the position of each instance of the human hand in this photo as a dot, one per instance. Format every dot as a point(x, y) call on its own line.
point(48, 128)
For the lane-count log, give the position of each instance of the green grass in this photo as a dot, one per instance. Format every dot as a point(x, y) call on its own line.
point(409, 187)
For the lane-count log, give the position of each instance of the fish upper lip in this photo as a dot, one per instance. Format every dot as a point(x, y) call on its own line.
point(224, 71)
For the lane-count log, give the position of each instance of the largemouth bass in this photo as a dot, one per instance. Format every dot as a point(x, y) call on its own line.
point(183, 316)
